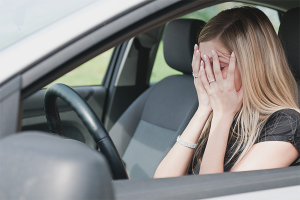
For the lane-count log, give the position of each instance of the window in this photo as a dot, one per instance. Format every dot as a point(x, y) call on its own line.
point(89, 73)
point(207, 13)
point(161, 69)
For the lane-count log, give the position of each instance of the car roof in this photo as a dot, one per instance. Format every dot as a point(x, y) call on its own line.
point(28, 51)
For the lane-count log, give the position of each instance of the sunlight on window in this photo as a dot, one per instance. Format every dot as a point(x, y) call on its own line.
point(90, 73)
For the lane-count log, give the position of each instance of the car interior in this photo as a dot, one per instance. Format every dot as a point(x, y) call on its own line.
point(144, 118)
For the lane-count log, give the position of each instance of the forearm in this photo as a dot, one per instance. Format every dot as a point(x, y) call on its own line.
point(178, 159)
point(213, 157)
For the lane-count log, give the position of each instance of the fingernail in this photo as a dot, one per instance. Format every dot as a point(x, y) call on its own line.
point(201, 67)
point(197, 53)
point(195, 47)
point(204, 57)
point(201, 63)
point(213, 52)
point(232, 54)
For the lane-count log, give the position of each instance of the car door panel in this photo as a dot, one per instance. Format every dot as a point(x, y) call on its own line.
point(34, 115)
point(207, 186)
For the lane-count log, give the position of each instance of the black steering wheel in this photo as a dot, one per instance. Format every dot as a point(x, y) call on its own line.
point(90, 120)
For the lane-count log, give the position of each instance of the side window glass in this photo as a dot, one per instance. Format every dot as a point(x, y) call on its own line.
point(90, 73)
point(207, 13)
point(273, 16)
point(161, 69)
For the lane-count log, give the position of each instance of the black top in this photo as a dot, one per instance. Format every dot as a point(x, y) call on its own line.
point(283, 125)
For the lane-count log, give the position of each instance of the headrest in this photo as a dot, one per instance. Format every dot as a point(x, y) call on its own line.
point(289, 35)
point(179, 39)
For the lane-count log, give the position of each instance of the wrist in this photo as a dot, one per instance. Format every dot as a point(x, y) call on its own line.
point(193, 130)
point(202, 111)
point(222, 123)
point(224, 115)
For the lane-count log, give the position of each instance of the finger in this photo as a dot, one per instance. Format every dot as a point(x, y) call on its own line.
point(208, 68)
point(199, 85)
point(194, 55)
point(203, 77)
point(197, 81)
point(196, 66)
point(216, 67)
point(231, 70)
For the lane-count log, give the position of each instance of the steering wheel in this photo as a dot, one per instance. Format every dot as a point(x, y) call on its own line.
point(89, 119)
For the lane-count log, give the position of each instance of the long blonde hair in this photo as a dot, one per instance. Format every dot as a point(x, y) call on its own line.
point(268, 84)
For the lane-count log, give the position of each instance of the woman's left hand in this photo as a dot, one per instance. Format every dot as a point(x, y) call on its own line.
point(224, 98)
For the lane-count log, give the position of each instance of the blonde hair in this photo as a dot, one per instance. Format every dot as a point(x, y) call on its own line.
point(268, 84)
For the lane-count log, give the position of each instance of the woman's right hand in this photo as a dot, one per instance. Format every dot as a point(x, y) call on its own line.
point(203, 98)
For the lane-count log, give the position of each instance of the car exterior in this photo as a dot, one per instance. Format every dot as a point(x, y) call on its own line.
point(36, 59)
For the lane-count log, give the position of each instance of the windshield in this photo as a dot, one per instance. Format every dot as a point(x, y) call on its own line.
point(20, 18)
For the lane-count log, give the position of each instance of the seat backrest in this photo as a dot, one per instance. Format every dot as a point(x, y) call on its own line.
point(149, 127)
point(289, 34)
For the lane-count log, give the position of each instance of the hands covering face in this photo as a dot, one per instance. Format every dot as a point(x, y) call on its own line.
point(214, 92)
point(203, 98)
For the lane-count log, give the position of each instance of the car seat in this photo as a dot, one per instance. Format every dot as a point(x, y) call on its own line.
point(148, 129)
point(289, 34)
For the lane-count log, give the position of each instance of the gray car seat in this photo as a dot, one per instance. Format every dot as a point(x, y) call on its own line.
point(289, 34)
point(148, 129)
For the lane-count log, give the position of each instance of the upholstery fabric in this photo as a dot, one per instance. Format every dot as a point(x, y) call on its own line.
point(169, 102)
point(149, 127)
point(166, 113)
point(146, 149)
point(179, 39)
point(289, 32)
point(123, 130)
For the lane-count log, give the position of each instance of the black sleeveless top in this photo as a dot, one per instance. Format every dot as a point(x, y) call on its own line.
point(283, 125)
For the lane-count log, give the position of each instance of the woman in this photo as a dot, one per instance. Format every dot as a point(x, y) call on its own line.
point(248, 116)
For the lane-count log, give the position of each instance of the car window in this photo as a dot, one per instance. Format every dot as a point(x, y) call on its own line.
point(161, 69)
point(90, 73)
point(207, 13)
